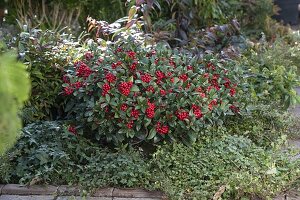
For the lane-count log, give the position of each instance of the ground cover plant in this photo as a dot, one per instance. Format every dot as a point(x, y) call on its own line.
point(48, 153)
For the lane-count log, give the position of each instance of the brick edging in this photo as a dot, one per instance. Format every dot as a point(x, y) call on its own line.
point(65, 190)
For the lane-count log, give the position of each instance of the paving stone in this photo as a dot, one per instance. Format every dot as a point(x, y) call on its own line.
point(15, 189)
point(103, 192)
point(121, 198)
point(65, 190)
point(31, 197)
point(82, 198)
point(1, 186)
point(136, 193)
point(297, 90)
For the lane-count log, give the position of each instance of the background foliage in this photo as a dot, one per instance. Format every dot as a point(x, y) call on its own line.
point(14, 90)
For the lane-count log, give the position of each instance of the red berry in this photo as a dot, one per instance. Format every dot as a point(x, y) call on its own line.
point(83, 70)
point(182, 115)
point(105, 89)
point(234, 109)
point(150, 89)
point(77, 85)
point(146, 78)
point(125, 87)
point(66, 79)
point(135, 113)
point(150, 111)
point(72, 129)
point(189, 67)
point(133, 66)
point(110, 77)
point(160, 75)
point(183, 77)
point(232, 92)
point(88, 55)
point(124, 107)
point(130, 124)
point(131, 54)
point(68, 90)
point(172, 63)
point(163, 92)
point(162, 129)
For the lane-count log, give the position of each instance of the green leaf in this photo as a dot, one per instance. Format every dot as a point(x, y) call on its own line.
point(107, 98)
point(135, 88)
point(152, 133)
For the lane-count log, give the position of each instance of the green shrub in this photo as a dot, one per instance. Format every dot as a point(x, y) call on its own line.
point(45, 53)
point(270, 73)
point(244, 169)
point(154, 94)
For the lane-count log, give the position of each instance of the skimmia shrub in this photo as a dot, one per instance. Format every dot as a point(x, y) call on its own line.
point(156, 94)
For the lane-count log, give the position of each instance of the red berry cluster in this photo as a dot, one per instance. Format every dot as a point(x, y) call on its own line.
point(146, 78)
point(214, 82)
point(66, 79)
point(68, 90)
point(130, 124)
point(115, 65)
point(150, 89)
point(83, 70)
point(152, 53)
point(160, 75)
point(72, 129)
point(213, 103)
point(110, 77)
point(183, 77)
point(163, 92)
point(234, 109)
point(124, 107)
point(197, 111)
point(189, 67)
point(232, 92)
point(162, 129)
point(131, 54)
point(135, 113)
point(172, 63)
point(133, 66)
point(105, 89)
point(125, 87)
point(119, 49)
point(150, 111)
point(206, 75)
point(227, 82)
point(169, 74)
point(211, 66)
point(88, 55)
point(77, 84)
point(181, 114)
